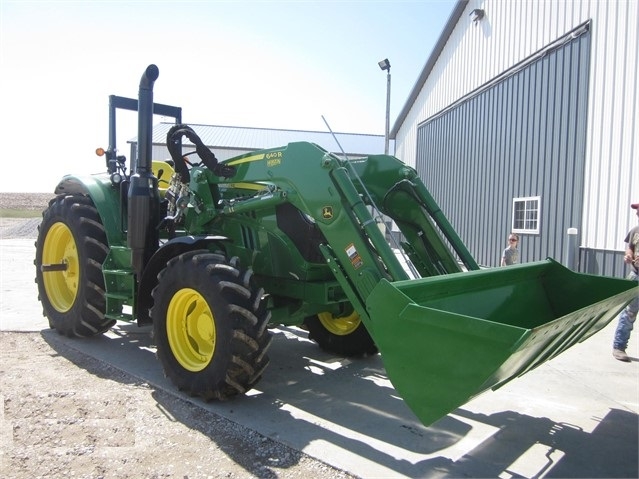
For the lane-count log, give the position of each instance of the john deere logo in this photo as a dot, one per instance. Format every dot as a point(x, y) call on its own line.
point(327, 212)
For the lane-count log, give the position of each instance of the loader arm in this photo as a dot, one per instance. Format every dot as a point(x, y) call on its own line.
point(340, 197)
point(449, 335)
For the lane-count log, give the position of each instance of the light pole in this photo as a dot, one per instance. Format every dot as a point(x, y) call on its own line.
point(385, 65)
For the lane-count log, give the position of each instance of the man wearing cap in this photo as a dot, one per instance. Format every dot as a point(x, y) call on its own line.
point(629, 314)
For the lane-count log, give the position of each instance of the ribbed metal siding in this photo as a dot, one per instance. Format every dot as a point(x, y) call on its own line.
point(521, 135)
point(612, 175)
point(603, 262)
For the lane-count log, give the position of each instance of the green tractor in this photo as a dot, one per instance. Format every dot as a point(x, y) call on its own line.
point(213, 254)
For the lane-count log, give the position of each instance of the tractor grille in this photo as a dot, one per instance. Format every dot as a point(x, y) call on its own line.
point(249, 237)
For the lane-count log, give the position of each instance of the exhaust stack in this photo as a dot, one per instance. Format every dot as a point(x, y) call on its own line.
point(143, 197)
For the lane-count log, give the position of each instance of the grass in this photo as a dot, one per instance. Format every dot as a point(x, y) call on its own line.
point(20, 213)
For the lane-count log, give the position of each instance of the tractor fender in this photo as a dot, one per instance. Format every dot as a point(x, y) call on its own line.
point(105, 197)
point(158, 261)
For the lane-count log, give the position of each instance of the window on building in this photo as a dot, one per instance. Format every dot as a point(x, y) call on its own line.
point(526, 214)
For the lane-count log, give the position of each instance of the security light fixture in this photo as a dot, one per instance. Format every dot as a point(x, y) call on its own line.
point(384, 64)
point(477, 15)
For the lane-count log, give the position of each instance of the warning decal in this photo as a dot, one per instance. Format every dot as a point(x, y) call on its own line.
point(353, 255)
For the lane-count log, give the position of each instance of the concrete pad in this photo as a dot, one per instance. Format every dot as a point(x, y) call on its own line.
point(20, 308)
point(575, 416)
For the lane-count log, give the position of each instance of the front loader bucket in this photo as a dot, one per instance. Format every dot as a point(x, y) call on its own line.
point(448, 338)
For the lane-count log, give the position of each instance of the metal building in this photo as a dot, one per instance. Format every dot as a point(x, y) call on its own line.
point(525, 118)
point(230, 141)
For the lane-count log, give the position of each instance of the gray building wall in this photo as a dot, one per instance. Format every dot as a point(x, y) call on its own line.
point(603, 262)
point(522, 134)
point(469, 54)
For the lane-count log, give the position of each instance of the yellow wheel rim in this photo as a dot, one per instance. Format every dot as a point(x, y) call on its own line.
point(342, 325)
point(61, 286)
point(190, 327)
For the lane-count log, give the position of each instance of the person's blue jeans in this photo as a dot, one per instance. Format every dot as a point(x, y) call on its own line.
point(626, 320)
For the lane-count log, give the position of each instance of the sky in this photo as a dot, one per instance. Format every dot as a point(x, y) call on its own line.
point(266, 64)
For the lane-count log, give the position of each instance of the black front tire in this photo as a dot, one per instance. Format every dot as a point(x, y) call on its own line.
point(70, 249)
point(209, 325)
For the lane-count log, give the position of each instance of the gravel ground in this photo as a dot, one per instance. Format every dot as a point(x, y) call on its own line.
point(70, 415)
point(66, 414)
point(19, 227)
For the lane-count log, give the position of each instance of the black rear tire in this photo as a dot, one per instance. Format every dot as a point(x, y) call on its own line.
point(71, 237)
point(209, 325)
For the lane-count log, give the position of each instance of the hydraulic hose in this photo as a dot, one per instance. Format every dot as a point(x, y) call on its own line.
point(207, 156)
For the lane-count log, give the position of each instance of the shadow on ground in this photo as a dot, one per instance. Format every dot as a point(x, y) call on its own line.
point(308, 397)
